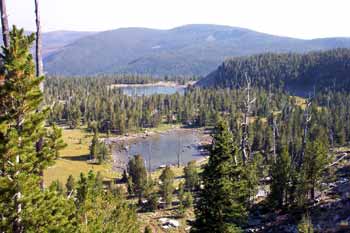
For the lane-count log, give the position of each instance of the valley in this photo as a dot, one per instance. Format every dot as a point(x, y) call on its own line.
point(199, 128)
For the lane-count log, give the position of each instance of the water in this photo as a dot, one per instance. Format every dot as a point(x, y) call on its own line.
point(163, 149)
point(151, 90)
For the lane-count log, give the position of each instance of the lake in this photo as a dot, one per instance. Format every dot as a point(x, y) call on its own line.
point(151, 90)
point(163, 149)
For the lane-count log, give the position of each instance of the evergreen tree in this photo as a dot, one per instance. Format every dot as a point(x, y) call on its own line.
point(70, 185)
point(167, 185)
point(56, 186)
point(56, 142)
point(312, 169)
point(305, 225)
point(103, 211)
point(224, 198)
point(94, 146)
point(137, 176)
point(181, 195)
point(280, 174)
point(191, 176)
point(23, 205)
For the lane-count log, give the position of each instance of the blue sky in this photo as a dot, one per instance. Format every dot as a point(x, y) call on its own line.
point(294, 18)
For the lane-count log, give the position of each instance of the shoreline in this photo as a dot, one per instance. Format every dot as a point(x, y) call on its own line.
point(122, 143)
point(156, 84)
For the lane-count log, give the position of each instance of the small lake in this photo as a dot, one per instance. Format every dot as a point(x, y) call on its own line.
point(163, 149)
point(151, 90)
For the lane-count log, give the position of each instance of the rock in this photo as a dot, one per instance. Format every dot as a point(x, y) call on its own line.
point(174, 222)
point(163, 220)
point(168, 223)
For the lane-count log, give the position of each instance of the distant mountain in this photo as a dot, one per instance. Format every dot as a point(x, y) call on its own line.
point(56, 40)
point(298, 73)
point(186, 50)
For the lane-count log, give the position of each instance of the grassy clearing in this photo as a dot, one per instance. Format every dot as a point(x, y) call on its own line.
point(73, 158)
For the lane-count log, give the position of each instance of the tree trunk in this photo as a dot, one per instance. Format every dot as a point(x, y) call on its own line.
point(4, 24)
point(39, 71)
point(38, 46)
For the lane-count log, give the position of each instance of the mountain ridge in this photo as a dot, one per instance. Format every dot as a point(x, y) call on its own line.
point(193, 49)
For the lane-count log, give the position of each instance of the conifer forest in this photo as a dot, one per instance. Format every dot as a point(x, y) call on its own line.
point(261, 143)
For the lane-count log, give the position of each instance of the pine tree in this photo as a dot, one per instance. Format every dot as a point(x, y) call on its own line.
point(137, 176)
point(305, 225)
point(167, 185)
point(21, 128)
point(56, 142)
point(94, 146)
point(191, 176)
point(56, 186)
point(181, 195)
point(100, 210)
point(70, 185)
point(280, 174)
point(224, 198)
point(312, 169)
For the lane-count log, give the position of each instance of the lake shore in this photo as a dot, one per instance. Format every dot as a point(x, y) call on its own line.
point(121, 144)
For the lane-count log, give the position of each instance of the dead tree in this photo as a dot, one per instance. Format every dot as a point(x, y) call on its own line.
point(38, 45)
point(39, 71)
point(275, 134)
point(306, 122)
point(4, 24)
point(149, 158)
point(245, 148)
point(179, 152)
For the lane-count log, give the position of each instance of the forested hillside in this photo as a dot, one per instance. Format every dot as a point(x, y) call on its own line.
point(186, 50)
point(238, 151)
point(56, 40)
point(299, 73)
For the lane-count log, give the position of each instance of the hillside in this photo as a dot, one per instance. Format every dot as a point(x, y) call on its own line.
point(299, 73)
point(56, 40)
point(186, 50)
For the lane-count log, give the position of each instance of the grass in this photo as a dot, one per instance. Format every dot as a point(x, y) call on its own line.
point(300, 101)
point(73, 162)
point(73, 158)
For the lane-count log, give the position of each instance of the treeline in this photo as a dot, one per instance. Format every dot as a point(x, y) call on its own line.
point(299, 73)
point(129, 78)
point(77, 101)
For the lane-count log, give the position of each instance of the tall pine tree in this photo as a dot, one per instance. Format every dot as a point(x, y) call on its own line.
point(224, 197)
point(21, 163)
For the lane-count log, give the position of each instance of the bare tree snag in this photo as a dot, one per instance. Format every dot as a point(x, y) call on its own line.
point(179, 152)
point(149, 158)
point(275, 134)
point(4, 24)
point(38, 45)
point(245, 148)
point(307, 119)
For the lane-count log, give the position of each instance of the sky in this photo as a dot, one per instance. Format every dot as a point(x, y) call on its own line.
point(294, 18)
